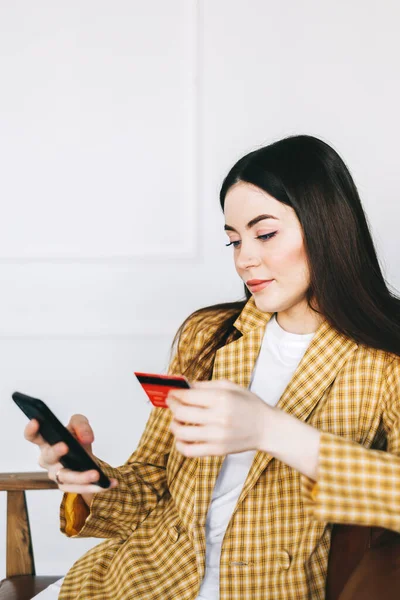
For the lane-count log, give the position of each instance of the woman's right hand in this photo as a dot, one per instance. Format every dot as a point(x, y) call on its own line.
point(72, 481)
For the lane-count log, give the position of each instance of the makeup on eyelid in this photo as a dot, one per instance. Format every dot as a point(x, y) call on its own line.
point(263, 237)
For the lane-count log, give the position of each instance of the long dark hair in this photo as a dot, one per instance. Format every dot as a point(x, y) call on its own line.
point(346, 281)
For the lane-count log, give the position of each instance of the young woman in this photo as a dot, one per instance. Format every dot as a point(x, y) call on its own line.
point(293, 422)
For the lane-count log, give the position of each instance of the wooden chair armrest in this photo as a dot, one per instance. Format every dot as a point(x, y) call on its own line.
point(26, 481)
point(20, 559)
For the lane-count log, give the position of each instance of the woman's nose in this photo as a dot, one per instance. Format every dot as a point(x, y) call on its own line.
point(247, 259)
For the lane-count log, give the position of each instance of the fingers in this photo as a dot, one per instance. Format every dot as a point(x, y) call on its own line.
point(192, 434)
point(199, 394)
point(198, 450)
point(189, 397)
point(80, 428)
point(67, 476)
point(85, 489)
point(223, 384)
point(31, 433)
point(78, 483)
point(49, 459)
point(50, 455)
point(188, 414)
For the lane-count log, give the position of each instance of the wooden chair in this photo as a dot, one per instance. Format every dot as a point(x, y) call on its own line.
point(21, 582)
point(364, 562)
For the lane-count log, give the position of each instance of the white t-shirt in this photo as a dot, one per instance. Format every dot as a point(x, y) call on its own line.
point(279, 356)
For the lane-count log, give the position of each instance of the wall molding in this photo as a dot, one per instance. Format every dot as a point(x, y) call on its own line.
point(189, 249)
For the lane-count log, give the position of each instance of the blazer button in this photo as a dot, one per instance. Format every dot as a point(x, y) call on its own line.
point(283, 559)
point(173, 533)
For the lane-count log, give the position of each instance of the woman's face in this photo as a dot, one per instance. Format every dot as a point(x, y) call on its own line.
point(279, 257)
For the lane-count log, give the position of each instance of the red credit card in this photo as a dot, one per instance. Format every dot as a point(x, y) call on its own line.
point(157, 386)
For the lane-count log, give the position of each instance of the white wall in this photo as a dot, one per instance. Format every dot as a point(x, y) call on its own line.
point(118, 121)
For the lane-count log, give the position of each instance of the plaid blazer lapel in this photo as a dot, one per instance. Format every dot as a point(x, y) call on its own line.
point(323, 359)
point(235, 362)
point(229, 364)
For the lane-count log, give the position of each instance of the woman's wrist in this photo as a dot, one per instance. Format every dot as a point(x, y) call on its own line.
point(270, 427)
point(290, 440)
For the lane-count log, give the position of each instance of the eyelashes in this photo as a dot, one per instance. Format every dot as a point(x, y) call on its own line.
point(264, 238)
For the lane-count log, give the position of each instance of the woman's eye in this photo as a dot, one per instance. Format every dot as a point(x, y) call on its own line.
point(265, 237)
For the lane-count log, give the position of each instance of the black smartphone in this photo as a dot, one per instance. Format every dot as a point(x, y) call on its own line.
point(53, 431)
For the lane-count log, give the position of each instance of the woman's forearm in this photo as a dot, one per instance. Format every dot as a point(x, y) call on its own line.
point(291, 441)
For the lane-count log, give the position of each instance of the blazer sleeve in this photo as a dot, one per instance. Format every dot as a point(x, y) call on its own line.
point(141, 480)
point(357, 485)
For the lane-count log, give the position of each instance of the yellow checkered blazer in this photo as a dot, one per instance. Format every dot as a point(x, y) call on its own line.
point(277, 542)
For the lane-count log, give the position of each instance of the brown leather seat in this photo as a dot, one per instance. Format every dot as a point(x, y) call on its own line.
point(364, 564)
point(24, 587)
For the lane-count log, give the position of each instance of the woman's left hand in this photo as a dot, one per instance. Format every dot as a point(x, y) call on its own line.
point(215, 418)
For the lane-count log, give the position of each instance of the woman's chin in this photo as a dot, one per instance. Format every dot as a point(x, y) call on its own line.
point(264, 305)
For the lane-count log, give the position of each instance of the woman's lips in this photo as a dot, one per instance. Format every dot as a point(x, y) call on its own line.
point(257, 287)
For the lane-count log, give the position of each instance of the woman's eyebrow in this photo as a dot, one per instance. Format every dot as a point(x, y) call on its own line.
point(252, 222)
